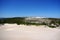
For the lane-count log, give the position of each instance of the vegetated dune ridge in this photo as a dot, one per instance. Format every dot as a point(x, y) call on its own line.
point(28, 32)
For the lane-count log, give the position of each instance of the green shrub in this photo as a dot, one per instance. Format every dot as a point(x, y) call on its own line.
point(52, 26)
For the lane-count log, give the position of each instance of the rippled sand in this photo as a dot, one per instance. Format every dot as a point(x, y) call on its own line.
point(28, 32)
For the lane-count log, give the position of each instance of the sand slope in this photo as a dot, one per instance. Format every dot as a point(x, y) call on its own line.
point(30, 32)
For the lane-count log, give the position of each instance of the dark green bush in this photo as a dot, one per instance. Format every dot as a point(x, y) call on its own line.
point(52, 26)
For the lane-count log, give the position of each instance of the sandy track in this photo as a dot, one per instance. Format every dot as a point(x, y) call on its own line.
point(24, 32)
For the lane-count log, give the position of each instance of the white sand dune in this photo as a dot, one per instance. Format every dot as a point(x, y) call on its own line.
point(28, 32)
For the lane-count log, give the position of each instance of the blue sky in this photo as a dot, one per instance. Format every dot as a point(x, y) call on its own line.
point(18, 8)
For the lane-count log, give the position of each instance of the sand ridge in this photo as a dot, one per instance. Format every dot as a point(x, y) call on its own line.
point(28, 32)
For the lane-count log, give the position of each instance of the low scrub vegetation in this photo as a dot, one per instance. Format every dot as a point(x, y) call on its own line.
point(21, 20)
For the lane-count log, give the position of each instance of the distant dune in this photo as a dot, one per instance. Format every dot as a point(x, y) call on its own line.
point(28, 32)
